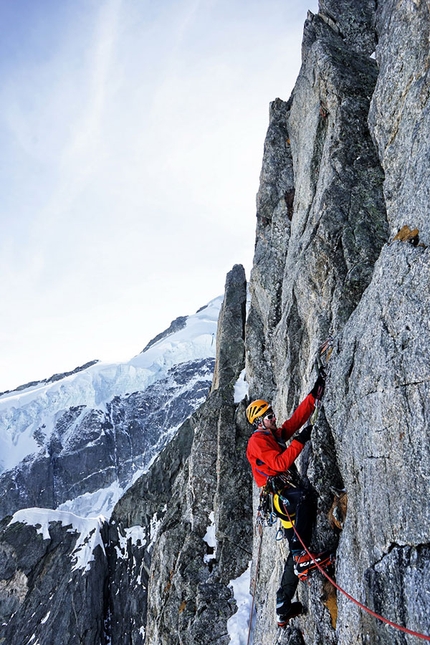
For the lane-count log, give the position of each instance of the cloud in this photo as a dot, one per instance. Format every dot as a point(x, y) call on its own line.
point(83, 151)
point(132, 134)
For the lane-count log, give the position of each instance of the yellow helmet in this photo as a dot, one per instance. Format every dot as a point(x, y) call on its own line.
point(256, 409)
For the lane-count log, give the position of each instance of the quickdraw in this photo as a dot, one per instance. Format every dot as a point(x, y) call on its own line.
point(321, 360)
point(323, 354)
point(266, 515)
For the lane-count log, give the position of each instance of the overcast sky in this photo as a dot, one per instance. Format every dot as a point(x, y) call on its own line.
point(131, 139)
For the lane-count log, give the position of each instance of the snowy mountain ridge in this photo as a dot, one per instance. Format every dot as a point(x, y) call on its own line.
point(77, 443)
point(26, 415)
point(88, 530)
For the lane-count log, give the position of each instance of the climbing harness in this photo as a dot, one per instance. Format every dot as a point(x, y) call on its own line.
point(286, 522)
point(270, 508)
point(354, 600)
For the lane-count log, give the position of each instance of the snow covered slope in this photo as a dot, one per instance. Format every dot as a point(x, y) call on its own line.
point(79, 441)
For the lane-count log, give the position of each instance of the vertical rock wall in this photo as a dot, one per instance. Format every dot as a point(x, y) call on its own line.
point(381, 370)
point(345, 167)
point(198, 485)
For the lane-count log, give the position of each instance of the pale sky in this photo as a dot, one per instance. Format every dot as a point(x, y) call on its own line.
point(131, 138)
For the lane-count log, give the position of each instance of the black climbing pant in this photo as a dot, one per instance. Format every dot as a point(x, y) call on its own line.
point(289, 582)
point(296, 502)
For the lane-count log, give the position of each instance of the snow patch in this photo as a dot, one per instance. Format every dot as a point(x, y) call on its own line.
point(136, 534)
point(43, 621)
point(210, 539)
point(241, 388)
point(101, 502)
point(154, 526)
point(137, 537)
point(87, 528)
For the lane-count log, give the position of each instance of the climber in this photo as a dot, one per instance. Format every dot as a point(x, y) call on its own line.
point(273, 468)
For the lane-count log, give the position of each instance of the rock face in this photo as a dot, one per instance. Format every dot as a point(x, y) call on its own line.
point(345, 167)
point(351, 147)
point(159, 571)
point(200, 480)
point(43, 597)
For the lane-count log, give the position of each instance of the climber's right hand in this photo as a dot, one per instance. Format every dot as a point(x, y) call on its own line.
point(304, 435)
point(319, 387)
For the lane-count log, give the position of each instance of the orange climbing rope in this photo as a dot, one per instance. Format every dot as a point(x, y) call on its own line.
point(354, 600)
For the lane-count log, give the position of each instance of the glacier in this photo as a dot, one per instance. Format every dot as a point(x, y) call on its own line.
point(84, 438)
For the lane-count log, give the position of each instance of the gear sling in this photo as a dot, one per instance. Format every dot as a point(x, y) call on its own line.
point(283, 492)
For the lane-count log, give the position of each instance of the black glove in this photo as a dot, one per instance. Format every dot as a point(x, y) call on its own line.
point(318, 389)
point(304, 435)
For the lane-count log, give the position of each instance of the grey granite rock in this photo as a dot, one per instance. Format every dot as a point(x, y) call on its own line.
point(353, 20)
point(357, 130)
point(178, 582)
point(345, 167)
point(399, 115)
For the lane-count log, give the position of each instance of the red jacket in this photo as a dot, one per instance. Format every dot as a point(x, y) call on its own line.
point(264, 453)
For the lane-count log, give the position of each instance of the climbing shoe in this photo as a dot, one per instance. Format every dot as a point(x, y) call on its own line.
point(289, 610)
point(303, 564)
